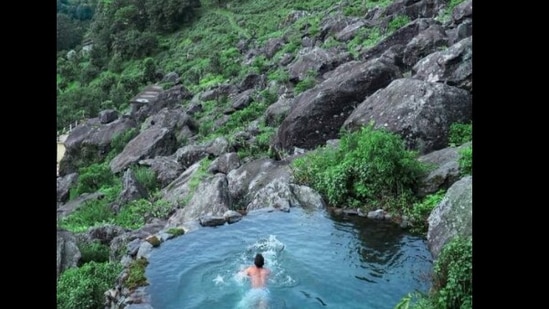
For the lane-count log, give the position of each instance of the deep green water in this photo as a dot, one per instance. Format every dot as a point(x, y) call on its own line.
point(317, 261)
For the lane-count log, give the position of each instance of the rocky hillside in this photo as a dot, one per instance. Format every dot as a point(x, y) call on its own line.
point(416, 82)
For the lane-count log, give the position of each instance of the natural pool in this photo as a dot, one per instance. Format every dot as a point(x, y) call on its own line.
point(317, 260)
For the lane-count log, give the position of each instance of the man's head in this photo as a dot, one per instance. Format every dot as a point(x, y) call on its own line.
point(259, 261)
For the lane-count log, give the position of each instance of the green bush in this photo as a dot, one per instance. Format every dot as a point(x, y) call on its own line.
point(132, 215)
point(398, 22)
point(305, 84)
point(147, 177)
point(87, 215)
point(94, 252)
point(466, 161)
point(84, 287)
point(175, 231)
point(135, 214)
point(460, 133)
point(91, 178)
point(370, 167)
point(453, 280)
point(136, 275)
point(420, 211)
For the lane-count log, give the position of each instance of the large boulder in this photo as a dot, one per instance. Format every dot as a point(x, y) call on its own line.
point(210, 199)
point(318, 113)
point(175, 120)
point(166, 168)
point(420, 112)
point(314, 59)
point(453, 66)
point(154, 98)
point(445, 172)
point(131, 189)
point(452, 217)
point(148, 144)
point(90, 143)
point(426, 42)
point(401, 36)
point(64, 184)
point(68, 253)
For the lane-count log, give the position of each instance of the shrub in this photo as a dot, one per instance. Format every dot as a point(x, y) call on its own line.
point(420, 211)
point(466, 161)
point(176, 231)
point(460, 133)
point(91, 178)
point(135, 214)
point(369, 167)
point(87, 215)
point(307, 83)
point(397, 22)
point(94, 252)
point(147, 177)
point(136, 273)
point(84, 287)
point(453, 280)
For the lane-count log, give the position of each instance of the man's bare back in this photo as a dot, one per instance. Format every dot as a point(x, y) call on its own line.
point(258, 276)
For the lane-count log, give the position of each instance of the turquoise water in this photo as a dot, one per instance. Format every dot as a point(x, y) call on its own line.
point(317, 261)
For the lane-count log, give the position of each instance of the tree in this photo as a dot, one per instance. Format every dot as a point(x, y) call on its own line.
point(69, 33)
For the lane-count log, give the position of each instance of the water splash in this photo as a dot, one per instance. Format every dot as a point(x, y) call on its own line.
point(218, 280)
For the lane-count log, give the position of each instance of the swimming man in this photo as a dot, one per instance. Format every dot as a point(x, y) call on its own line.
point(258, 279)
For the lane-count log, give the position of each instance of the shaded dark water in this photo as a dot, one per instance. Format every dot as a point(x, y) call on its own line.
point(317, 261)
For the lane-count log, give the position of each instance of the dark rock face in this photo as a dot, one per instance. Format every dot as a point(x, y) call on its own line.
point(148, 144)
point(452, 217)
point(453, 66)
point(424, 43)
point(64, 184)
point(318, 113)
point(166, 168)
point(161, 99)
point(314, 59)
point(401, 36)
point(445, 172)
point(108, 116)
point(253, 81)
point(103, 234)
point(68, 253)
point(131, 189)
point(420, 112)
point(90, 143)
point(209, 201)
point(414, 8)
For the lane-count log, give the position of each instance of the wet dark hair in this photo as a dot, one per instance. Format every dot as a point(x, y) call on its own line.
point(259, 261)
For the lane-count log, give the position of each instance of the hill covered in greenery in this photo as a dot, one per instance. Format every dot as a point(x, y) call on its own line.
point(263, 81)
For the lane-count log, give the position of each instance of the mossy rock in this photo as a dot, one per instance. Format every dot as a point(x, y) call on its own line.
point(154, 240)
point(176, 231)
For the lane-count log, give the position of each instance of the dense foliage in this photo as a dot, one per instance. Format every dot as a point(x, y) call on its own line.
point(370, 168)
point(108, 50)
point(93, 252)
point(453, 281)
point(420, 211)
point(84, 287)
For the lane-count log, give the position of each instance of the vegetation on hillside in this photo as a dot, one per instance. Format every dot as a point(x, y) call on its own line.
point(108, 50)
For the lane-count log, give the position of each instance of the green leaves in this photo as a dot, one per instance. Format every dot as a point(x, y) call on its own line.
point(453, 280)
point(84, 287)
point(369, 167)
point(460, 133)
